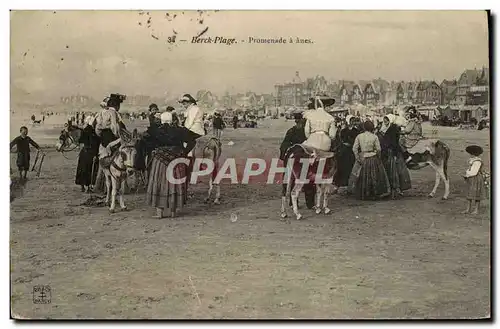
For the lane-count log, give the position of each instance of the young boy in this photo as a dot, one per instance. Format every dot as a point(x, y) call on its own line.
point(23, 151)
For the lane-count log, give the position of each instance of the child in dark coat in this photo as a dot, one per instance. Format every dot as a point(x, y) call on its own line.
point(23, 142)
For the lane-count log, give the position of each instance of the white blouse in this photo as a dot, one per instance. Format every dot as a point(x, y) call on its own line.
point(474, 166)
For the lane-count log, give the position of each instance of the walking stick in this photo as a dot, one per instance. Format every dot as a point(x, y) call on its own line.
point(40, 165)
point(92, 172)
point(36, 160)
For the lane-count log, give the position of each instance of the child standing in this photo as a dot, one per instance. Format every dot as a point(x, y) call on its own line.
point(23, 151)
point(475, 179)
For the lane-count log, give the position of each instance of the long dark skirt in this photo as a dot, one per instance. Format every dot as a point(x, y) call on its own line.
point(476, 189)
point(397, 172)
point(164, 194)
point(346, 161)
point(88, 165)
point(23, 161)
point(372, 182)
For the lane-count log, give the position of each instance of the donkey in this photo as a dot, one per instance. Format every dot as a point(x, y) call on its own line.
point(69, 139)
point(211, 150)
point(436, 155)
point(294, 159)
point(116, 170)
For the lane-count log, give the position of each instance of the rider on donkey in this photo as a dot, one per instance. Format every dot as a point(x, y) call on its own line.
point(109, 125)
point(193, 126)
point(319, 128)
point(412, 134)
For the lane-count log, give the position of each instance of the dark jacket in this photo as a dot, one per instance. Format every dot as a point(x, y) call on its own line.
point(153, 121)
point(294, 135)
point(90, 140)
point(218, 123)
point(389, 141)
point(166, 135)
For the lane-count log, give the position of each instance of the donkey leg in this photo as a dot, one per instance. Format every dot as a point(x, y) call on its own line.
point(210, 187)
point(136, 181)
point(440, 171)
point(284, 199)
point(319, 196)
point(114, 187)
point(326, 188)
point(108, 187)
point(295, 196)
point(122, 192)
point(217, 194)
point(436, 184)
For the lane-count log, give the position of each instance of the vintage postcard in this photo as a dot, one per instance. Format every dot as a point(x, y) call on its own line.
point(169, 164)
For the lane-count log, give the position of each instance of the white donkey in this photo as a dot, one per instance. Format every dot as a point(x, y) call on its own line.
point(437, 156)
point(116, 171)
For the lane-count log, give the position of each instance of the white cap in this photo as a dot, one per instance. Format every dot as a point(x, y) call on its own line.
point(166, 117)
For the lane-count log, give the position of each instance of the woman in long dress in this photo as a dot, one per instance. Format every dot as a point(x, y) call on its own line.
point(392, 156)
point(372, 182)
point(88, 162)
point(162, 192)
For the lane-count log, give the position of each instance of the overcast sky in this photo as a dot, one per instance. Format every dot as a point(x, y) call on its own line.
point(97, 52)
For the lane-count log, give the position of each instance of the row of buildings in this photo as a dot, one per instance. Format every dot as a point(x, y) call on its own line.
point(248, 100)
point(86, 101)
point(205, 98)
point(471, 88)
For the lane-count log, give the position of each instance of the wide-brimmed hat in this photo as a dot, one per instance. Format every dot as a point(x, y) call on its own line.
point(153, 106)
point(474, 150)
point(327, 101)
point(187, 98)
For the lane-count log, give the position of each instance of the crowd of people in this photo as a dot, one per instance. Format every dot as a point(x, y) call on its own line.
point(372, 156)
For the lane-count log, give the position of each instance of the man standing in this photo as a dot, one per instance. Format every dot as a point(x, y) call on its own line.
point(193, 126)
point(294, 135)
point(218, 125)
